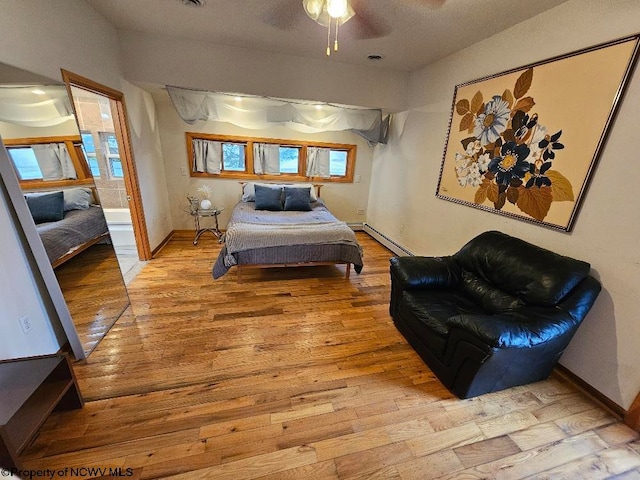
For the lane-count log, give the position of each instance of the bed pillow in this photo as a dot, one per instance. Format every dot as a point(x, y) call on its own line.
point(46, 207)
point(268, 198)
point(249, 193)
point(297, 199)
point(76, 199)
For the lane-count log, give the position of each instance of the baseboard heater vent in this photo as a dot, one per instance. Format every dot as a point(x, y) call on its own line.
point(386, 241)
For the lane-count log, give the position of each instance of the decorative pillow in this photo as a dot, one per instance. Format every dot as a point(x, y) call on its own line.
point(76, 199)
point(268, 198)
point(297, 199)
point(249, 193)
point(46, 207)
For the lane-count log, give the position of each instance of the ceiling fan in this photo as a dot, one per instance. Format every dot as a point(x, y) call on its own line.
point(364, 21)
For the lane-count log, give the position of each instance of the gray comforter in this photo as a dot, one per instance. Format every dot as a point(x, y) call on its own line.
point(76, 228)
point(262, 237)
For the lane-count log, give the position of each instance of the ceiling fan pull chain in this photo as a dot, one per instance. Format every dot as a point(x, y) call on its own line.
point(329, 39)
point(335, 45)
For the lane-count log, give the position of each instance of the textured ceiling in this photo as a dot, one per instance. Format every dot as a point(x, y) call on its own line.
point(414, 32)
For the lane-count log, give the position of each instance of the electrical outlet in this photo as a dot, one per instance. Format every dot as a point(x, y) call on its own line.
point(360, 211)
point(358, 179)
point(25, 323)
point(184, 171)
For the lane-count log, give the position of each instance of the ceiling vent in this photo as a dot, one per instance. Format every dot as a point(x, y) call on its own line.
point(193, 3)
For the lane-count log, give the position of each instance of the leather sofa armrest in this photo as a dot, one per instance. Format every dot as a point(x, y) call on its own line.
point(413, 273)
point(522, 328)
point(579, 301)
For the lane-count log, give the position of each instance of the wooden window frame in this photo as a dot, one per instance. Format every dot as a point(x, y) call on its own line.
point(74, 147)
point(249, 173)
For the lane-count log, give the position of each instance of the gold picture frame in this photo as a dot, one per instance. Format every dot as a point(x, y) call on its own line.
point(524, 143)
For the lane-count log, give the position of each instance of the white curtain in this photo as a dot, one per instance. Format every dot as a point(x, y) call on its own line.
point(54, 161)
point(318, 163)
point(207, 156)
point(264, 112)
point(266, 158)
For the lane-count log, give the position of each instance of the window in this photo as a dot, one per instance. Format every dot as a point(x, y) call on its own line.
point(25, 163)
point(112, 154)
point(89, 149)
point(233, 157)
point(289, 159)
point(338, 162)
point(270, 159)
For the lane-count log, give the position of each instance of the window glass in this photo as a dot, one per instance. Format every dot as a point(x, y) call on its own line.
point(116, 167)
point(233, 157)
point(289, 159)
point(87, 142)
point(112, 144)
point(338, 162)
point(93, 165)
point(25, 163)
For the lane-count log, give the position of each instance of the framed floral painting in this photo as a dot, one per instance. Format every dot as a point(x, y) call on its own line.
point(524, 143)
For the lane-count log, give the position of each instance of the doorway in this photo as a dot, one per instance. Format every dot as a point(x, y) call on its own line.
point(101, 115)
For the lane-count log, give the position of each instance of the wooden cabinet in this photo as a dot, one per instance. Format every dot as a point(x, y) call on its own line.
point(31, 388)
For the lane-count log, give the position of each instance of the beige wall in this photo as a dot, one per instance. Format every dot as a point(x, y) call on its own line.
point(186, 63)
point(344, 199)
point(145, 140)
point(405, 174)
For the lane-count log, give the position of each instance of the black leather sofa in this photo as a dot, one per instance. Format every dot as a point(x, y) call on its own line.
point(498, 313)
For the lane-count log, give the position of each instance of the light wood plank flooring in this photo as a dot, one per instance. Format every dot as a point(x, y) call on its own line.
point(299, 373)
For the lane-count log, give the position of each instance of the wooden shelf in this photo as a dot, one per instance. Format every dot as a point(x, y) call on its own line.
point(31, 389)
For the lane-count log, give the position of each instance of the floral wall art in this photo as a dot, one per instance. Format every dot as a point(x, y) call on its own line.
point(523, 143)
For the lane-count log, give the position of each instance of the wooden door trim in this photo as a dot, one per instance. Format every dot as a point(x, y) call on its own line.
point(128, 164)
point(632, 418)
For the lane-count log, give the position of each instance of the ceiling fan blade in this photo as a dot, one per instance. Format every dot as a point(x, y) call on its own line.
point(285, 15)
point(365, 24)
point(426, 3)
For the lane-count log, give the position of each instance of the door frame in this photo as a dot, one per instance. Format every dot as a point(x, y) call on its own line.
point(121, 125)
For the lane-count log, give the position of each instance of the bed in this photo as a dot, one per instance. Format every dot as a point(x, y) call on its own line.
point(67, 222)
point(263, 238)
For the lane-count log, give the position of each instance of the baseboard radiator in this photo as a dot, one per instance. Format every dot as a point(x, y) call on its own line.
point(386, 241)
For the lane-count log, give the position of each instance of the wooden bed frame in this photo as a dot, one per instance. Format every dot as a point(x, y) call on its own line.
point(241, 268)
point(69, 255)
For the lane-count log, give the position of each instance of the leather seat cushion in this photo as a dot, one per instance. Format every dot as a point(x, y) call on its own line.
point(428, 312)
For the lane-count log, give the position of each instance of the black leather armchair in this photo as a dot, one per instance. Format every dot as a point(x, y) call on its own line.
point(496, 314)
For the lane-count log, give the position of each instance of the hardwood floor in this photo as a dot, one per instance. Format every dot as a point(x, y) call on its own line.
point(94, 291)
point(299, 373)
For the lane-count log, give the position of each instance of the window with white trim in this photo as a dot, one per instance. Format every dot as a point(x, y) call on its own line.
point(89, 148)
point(111, 152)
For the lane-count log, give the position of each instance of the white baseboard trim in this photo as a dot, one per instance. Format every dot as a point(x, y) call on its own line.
point(356, 227)
point(386, 241)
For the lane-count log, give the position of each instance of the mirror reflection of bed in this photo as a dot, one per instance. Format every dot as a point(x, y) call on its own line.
point(41, 135)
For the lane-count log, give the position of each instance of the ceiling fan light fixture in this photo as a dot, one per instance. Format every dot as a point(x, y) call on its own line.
point(327, 12)
point(337, 8)
point(313, 8)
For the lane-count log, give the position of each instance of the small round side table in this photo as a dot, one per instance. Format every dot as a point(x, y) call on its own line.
point(200, 213)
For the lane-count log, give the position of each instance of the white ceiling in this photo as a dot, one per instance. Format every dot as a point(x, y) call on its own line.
point(420, 31)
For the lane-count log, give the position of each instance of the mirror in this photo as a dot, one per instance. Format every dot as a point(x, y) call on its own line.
point(41, 135)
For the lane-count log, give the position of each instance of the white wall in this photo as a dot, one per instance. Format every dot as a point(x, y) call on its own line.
point(145, 140)
point(344, 199)
point(403, 205)
point(184, 63)
point(20, 295)
point(44, 36)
